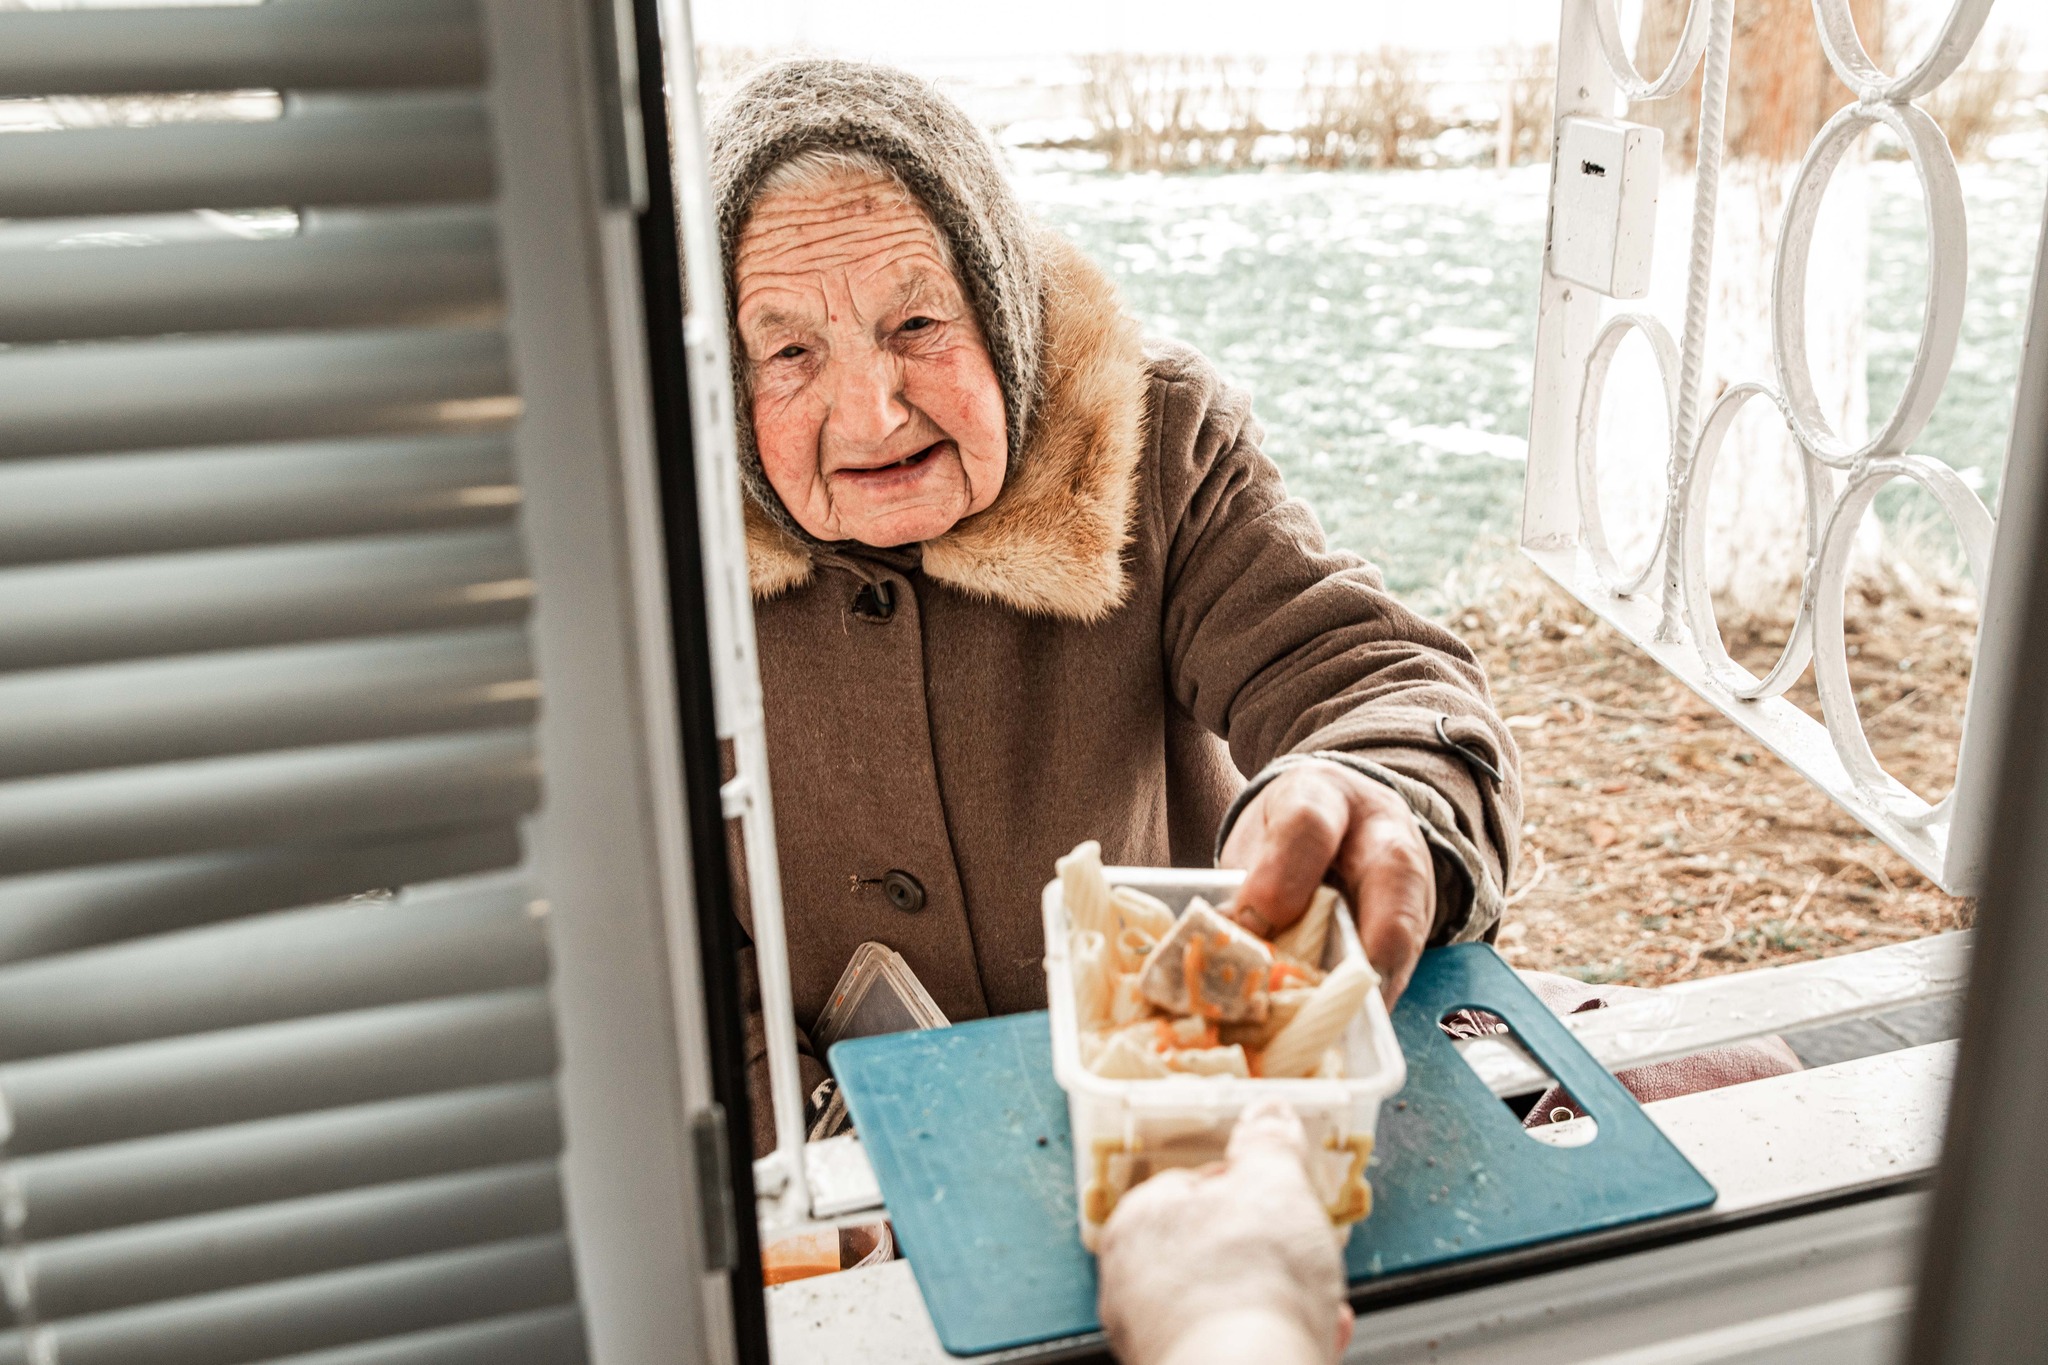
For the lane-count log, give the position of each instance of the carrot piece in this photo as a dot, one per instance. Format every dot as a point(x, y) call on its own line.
point(1282, 973)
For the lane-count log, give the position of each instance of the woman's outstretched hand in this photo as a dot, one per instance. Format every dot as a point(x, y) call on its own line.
point(1318, 822)
point(1233, 1262)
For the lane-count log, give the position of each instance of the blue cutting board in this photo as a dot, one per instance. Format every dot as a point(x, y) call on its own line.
point(967, 1133)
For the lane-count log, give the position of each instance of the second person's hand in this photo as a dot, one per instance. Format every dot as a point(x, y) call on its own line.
point(1230, 1263)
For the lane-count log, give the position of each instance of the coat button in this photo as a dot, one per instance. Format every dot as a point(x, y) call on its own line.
point(904, 891)
point(875, 602)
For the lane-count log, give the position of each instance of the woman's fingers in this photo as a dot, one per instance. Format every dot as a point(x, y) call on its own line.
point(1388, 877)
point(1323, 822)
point(1393, 928)
point(1287, 839)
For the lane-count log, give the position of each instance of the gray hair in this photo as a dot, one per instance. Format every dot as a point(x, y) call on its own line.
point(816, 169)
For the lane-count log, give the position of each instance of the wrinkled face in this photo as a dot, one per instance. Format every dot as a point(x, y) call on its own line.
point(876, 407)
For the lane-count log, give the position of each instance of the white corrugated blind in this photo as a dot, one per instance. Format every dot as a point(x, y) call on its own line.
point(276, 1049)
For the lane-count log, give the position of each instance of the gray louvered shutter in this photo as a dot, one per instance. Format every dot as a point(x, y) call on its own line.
point(277, 1054)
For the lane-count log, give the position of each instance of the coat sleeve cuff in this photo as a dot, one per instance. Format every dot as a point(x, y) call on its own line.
point(1468, 896)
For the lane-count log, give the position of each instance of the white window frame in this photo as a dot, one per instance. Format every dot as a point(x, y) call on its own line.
point(782, 1183)
point(1855, 1259)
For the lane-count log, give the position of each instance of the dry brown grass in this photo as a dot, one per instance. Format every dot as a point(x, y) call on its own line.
point(1781, 87)
point(1365, 109)
point(1661, 841)
point(1977, 103)
point(1527, 103)
point(1164, 113)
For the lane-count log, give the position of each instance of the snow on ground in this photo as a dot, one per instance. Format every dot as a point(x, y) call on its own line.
point(2004, 201)
point(1384, 323)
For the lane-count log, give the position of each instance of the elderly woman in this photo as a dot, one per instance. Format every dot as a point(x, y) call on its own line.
point(1024, 578)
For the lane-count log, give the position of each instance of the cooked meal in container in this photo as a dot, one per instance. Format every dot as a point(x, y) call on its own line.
point(1156, 994)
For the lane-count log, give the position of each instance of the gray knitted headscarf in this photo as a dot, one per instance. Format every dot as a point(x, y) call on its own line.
point(811, 103)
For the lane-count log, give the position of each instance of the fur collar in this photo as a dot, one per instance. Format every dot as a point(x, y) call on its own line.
point(1052, 544)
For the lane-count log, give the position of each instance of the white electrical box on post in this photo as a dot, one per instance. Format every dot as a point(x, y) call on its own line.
point(1605, 217)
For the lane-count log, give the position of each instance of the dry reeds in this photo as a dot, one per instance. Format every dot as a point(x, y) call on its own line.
point(1781, 88)
point(1191, 113)
point(1975, 104)
point(1528, 98)
point(1364, 109)
point(1172, 113)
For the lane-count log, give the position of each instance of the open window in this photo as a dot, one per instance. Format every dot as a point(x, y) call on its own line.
point(1776, 1150)
point(373, 612)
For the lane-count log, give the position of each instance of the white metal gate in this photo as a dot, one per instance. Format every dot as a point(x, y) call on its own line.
point(1662, 603)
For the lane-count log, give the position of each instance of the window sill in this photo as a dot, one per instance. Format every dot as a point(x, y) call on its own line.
point(1766, 1144)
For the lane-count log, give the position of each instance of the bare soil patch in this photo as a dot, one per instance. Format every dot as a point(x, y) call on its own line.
point(1661, 841)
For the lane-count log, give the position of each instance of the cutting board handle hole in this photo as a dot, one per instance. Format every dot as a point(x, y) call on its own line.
point(1548, 1112)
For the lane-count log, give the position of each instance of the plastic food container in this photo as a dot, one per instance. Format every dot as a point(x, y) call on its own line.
point(1125, 1131)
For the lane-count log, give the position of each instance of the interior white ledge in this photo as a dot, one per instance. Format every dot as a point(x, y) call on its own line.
point(1762, 1144)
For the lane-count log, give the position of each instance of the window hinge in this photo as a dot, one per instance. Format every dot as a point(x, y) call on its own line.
point(714, 1188)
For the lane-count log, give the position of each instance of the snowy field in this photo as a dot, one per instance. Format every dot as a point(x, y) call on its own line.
point(2003, 198)
point(1384, 322)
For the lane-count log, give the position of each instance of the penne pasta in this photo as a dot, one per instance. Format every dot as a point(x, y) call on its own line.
point(1147, 914)
point(1127, 1004)
point(1095, 977)
point(1297, 1049)
point(1282, 1006)
point(1092, 1041)
point(1125, 1059)
point(1086, 890)
point(1133, 946)
point(1178, 1022)
point(1307, 939)
point(1135, 1028)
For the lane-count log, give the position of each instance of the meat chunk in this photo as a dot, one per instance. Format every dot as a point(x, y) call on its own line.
point(1209, 968)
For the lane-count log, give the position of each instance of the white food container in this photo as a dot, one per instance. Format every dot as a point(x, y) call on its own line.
point(1125, 1131)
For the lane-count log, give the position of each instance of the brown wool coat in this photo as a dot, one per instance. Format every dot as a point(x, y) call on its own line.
point(1142, 618)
